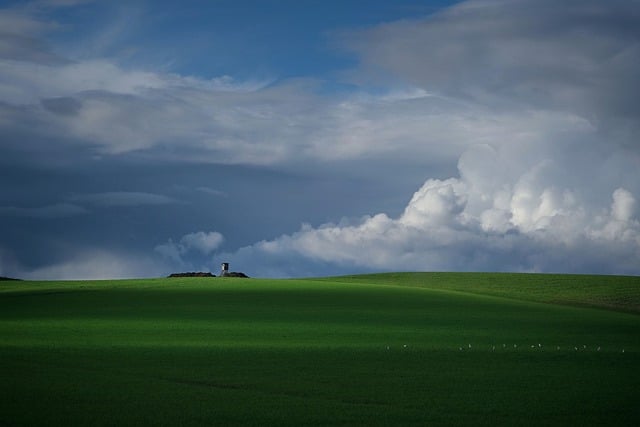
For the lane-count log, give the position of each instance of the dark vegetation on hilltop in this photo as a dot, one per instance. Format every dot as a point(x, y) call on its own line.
point(7, 278)
point(235, 274)
point(207, 274)
point(192, 274)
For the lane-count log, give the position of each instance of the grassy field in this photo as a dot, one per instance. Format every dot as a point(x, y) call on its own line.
point(389, 349)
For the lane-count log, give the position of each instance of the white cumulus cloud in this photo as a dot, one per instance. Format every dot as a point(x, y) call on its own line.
point(477, 222)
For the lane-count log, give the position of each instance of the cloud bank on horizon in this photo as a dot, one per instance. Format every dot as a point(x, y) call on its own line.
point(523, 117)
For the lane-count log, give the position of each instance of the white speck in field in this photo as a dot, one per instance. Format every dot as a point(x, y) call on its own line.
point(623, 350)
point(576, 348)
point(515, 346)
point(598, 348)
point(558, 348)
point(405, 346)
point(469, 345)
point(539, 345)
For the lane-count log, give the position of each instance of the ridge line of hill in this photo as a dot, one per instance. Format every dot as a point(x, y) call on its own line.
point(616, 293)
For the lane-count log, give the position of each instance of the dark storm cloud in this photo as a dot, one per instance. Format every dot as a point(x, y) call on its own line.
point(65, 106)
point(19, 48)
point(20, 37)
point(579, 55)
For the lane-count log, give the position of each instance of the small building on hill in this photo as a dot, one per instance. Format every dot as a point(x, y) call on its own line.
point(224, 271)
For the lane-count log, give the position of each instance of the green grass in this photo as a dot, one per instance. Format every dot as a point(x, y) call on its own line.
point(620, 293)
point(389, 349)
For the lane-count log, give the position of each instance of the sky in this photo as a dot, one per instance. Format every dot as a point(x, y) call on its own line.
point(311, 138)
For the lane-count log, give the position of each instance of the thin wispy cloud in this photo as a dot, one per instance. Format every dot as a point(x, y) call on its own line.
point(122, 198)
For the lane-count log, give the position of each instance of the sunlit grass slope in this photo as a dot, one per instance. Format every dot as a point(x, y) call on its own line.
point(611, 292)
point(407, 349)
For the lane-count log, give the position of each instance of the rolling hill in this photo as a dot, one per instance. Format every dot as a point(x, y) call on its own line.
point(387, 349)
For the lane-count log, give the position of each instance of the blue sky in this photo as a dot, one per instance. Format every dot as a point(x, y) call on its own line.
point(244, 39)
point(298, 138)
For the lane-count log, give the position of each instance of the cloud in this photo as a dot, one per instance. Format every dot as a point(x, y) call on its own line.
point(475, 222)
point(471, 73)
point(495, 75)
point(536, 52)
point(32, 82)
point(113, 110)
point(62, 105)
point(282, 125)
point(20, 33)
point(17, 22)
point(536, 94)
point(96, 264)
point(123, 198)
point(623, 208)
point(203, 243)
